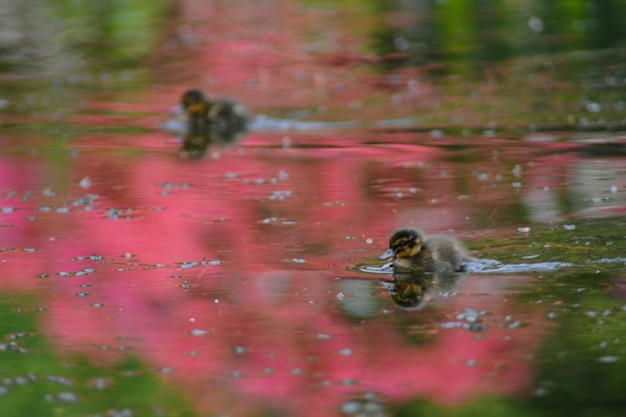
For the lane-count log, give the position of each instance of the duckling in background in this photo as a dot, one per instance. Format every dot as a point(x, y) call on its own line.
point(227, 118)
point(218, 122)
point(196, 107)
point(413, 251)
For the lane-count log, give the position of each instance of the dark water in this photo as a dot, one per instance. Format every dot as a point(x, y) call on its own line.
point(139, 282)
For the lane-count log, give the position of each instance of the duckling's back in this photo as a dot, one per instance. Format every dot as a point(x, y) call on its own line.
point(447, 254)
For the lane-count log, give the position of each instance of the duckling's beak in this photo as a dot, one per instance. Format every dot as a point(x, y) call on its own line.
point(387, 254)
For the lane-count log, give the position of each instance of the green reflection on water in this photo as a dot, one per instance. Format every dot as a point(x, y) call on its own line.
point(34, 381)
point(580, 368)
point(588, 244)
point(581, 363)
point(58, 37)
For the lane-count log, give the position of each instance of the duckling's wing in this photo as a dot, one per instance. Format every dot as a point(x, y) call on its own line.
point(446, 250)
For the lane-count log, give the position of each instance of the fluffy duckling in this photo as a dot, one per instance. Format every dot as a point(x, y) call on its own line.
point(196, 106)
point(211, 122)
point(411, 250)
point(214, 117)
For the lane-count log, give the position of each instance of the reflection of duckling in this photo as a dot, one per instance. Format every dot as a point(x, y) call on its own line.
point(413, 251)
point(412, 289)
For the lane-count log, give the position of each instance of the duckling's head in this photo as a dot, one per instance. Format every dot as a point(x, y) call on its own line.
point(404, 243)
point(194, 102)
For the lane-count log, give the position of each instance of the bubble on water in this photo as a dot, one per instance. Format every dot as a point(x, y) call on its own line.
point(535, 24)
point(280, 195)
point(85, 183)
point(608, 359)
point(345, 352)
point(198, 332)
point(99, 383)
point(594, 107)
point(523, 229)
point(569, 226)
point(67, 397)
point(340, 296)
point(351, 407)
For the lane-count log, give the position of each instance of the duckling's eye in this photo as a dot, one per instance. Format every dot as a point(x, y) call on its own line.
point(401, 244)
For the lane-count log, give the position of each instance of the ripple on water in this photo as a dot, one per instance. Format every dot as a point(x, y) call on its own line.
point(487, 266)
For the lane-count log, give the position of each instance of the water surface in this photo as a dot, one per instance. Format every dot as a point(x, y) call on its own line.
point(139, 282)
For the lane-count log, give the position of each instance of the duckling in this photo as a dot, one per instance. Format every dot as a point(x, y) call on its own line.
point(217, 121)
point(196, 106)
point(411, 250)
point(228, 117)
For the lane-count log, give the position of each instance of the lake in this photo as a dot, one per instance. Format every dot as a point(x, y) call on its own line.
point(137, 280)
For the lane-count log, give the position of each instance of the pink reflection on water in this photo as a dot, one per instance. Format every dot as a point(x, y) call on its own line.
point(287, 226)
point(278, 340)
